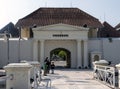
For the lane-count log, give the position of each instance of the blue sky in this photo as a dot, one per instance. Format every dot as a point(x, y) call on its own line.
point(104, 10)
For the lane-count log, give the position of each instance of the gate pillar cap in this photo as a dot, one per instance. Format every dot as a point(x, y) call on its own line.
point(33, 63)
point(118, 65)
point(18, 66)
point(101, 62)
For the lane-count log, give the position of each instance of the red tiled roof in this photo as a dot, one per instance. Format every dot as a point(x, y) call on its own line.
point(108, 27)
point(108, 31)
point(117, 26)
point(48, 16)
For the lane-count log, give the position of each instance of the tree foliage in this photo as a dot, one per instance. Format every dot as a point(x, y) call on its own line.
point(62, 54)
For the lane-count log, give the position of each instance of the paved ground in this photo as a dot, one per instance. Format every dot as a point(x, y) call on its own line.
point(74, 79)
point(60, 63)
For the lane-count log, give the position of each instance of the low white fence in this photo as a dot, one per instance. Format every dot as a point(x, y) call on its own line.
point(107, 74)
point(4, 78)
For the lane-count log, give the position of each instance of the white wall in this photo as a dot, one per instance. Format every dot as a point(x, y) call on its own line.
point(3, 53)
point(25, 52)
point(110, 50)
point(94, 45)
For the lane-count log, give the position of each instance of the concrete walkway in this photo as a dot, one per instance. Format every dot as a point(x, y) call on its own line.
point(74, 79)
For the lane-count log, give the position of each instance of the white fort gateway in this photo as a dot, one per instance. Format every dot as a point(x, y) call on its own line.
point(72, 39)
point(75, 33)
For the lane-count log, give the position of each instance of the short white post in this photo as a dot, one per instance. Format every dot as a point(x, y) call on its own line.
point(35, 65)
point(118, 69)
point(20, 76)
point(34, 71)
point(116, 78)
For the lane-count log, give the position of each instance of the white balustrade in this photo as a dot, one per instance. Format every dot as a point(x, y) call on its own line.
point(18, 76)
point(106, 74)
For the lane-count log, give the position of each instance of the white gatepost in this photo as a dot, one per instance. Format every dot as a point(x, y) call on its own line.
point(85, 53)
point(35, 67)
point(42, 52)
point(79, 58)
point(20, 73)
point(34, 71)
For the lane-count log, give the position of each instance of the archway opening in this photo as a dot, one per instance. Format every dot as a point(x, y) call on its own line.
point(61, 57)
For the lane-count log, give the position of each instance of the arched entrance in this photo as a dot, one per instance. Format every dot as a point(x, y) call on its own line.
point(61, 57)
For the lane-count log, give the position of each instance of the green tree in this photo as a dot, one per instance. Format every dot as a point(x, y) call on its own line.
point(62, 54)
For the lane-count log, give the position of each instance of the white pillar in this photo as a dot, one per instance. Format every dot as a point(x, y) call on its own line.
point(42, 52)
point(34, 70)
point(35, 50)
point(85, 53)
point(20, 76)
point(35, 64)
point(79, 58)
